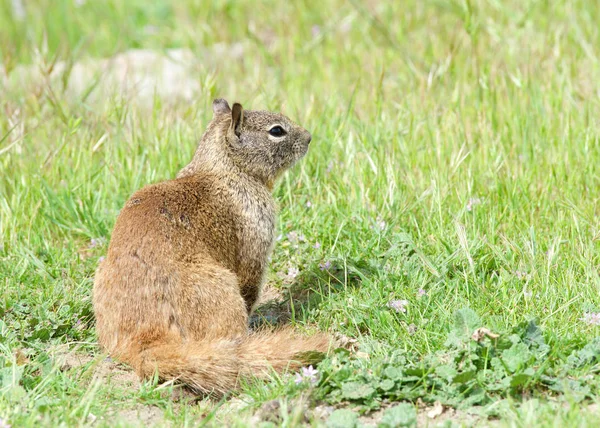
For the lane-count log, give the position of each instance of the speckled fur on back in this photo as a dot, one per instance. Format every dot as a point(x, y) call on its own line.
point(187, 259)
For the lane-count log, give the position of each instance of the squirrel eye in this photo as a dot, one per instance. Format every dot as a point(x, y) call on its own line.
point(277, 131)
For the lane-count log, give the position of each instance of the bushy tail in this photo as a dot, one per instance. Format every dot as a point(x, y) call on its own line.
point(217, 366)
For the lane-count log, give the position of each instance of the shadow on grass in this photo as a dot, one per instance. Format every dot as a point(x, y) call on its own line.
point(309, 290)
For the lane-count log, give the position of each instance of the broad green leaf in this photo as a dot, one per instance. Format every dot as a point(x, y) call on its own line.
point(393, 373)
point(465, 322)
point(357, 390)
point(589, 354)
point(464, 376)
point(402, 415)
point(516, 357)
point(446, 372)
point(342, 418)
point(387, 384)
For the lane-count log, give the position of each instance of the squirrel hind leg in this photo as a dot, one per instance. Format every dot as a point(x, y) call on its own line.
point(210, 305)
point(200, 348)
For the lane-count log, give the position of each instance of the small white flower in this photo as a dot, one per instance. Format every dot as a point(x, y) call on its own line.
point(380, 224)
point(591, 318)
point(151, 30)
point(398, 305)
point(472, 203)
point(315, 30)
point(521, 274)
point(308, 374)
point(293, 272)
point(325, 266)
point(96, 242)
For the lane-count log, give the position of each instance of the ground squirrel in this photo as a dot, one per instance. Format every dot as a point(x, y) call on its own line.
point(187, 258)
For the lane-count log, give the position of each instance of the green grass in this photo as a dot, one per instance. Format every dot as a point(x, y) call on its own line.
point(454, 152)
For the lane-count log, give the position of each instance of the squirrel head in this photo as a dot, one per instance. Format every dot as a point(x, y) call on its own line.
point(262, 144)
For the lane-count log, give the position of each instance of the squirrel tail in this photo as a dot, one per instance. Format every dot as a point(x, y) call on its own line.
point(217, 366)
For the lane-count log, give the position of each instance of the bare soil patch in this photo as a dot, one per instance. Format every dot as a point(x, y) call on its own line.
point(103, 368)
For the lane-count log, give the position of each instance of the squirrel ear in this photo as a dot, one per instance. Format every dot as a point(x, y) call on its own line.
point(220, 106)
point(237, 118)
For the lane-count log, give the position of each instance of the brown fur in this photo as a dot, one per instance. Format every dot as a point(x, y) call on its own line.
point(187, 258)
